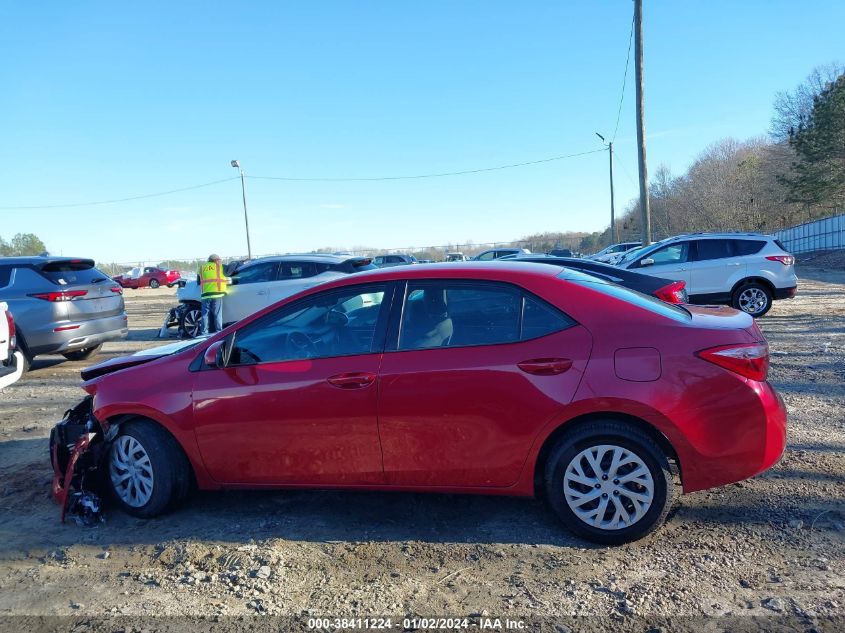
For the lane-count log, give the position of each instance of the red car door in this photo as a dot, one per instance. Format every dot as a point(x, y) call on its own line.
point(461, 407)
point(297, 402)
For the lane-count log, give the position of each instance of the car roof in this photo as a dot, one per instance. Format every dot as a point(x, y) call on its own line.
point(38, 259)
point(491, 271)
point(325, 258)
point(723, 235)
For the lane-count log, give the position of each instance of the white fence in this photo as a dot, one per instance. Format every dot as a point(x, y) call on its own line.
point(821, 235)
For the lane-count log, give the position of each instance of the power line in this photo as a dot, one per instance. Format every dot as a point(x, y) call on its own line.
point(292, 179)
point(115, 200)
point(419, 176)
point(624, 80)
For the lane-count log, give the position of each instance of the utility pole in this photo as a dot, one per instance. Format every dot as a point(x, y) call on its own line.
point(645, 221)
point(614, 232)
point(237, 165)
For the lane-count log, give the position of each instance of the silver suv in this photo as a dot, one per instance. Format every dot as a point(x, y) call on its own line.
point(745, 270)
point(61, 306)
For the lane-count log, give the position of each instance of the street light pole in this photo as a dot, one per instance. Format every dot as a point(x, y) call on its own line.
point(237, 165)
point(614, 232)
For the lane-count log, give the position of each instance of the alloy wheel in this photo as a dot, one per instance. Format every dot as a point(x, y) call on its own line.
point(131, 471)
point(752, 300)
point(608, 487)
point(192, 322)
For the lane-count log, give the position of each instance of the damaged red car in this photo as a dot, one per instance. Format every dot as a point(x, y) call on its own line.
point(501, 379)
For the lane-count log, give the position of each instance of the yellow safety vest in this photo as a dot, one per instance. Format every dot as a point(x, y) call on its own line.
point(214, 282)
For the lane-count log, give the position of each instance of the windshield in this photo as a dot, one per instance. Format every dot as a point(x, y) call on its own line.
point(636, 252)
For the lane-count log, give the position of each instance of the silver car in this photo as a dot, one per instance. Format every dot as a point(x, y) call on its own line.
point(61, 305)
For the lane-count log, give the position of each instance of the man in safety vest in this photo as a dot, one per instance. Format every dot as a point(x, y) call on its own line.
point(213, 285)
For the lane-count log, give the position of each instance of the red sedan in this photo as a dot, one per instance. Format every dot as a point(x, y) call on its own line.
point(151, 276)
point(504, 379)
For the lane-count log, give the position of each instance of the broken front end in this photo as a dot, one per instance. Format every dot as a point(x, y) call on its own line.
point(78, 452)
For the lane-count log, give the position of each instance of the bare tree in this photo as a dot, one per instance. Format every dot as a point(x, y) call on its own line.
point(793, 108)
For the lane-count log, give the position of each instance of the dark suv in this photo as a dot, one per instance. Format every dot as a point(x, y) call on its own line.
point(61, 306)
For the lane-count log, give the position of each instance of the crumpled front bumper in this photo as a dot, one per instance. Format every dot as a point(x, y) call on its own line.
point(77, 451)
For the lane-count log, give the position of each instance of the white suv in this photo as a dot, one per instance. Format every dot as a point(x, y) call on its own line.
point(259, 283)
point(745, 270)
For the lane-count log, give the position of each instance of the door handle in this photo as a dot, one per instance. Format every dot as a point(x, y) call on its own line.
point(352, 380)
point(545, 366)
point(734, 263)
point(262, 292)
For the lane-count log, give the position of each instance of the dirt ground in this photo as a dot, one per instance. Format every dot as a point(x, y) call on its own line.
point(774, 545)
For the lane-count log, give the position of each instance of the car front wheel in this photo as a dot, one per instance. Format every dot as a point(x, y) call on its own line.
point(753, 298)
point(191, 321)
point(154, 283)
point(147, 470)
point(609, 483)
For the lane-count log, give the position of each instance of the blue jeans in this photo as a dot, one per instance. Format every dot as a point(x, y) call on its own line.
point(212, 314)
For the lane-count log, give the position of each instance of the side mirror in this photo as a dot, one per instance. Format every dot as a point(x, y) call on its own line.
point(648, 261)
point(218, 353)
point(213, 356)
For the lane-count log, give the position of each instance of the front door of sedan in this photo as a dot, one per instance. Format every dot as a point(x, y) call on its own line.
point(297, 402)
point(479, 369)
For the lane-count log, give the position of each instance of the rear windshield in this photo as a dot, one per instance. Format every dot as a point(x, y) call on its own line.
point(647, 302)
point(73, 273)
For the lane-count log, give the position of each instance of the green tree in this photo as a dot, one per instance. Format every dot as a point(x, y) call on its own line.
point(818, 173)
point(22, 244)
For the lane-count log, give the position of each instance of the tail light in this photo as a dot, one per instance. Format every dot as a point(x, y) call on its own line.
point(13, 340)
point(786, 260)
point(750, 360)
point(672, 293)
point(65, 295)
point(116, 290)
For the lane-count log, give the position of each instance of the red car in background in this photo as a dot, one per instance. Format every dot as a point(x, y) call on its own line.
point(490, 378)
point(149, 276)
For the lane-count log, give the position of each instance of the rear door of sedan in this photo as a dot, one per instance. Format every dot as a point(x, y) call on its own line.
point(472, 371)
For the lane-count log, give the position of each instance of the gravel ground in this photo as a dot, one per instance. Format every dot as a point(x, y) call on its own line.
point(771, 546)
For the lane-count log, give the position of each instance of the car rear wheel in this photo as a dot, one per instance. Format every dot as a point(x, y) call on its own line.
point(147, 470)
point(191, 321)
point(753, 298)
point(609, 483)
point(82, 354)
point(154, 283)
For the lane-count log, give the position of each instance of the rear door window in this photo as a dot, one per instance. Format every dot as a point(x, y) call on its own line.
point(540, 319)
point(713, 249)
point(297, 270)
point(5, 275)
point(73, 272)
point(747, 247)
point(448, 314)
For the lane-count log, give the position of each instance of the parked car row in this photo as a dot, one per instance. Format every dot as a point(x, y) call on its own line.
point(59, 305)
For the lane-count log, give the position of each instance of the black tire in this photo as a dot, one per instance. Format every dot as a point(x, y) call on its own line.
point(630, 440)
point(170, 470)
point(755, 297)
point(154, 283)
point(82, 354)
point(190, 321)
point(24, 350)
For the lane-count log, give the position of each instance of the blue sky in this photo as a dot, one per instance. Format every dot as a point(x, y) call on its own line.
point(102, 100)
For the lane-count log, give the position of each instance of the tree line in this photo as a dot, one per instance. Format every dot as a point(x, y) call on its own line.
point(22, 244)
